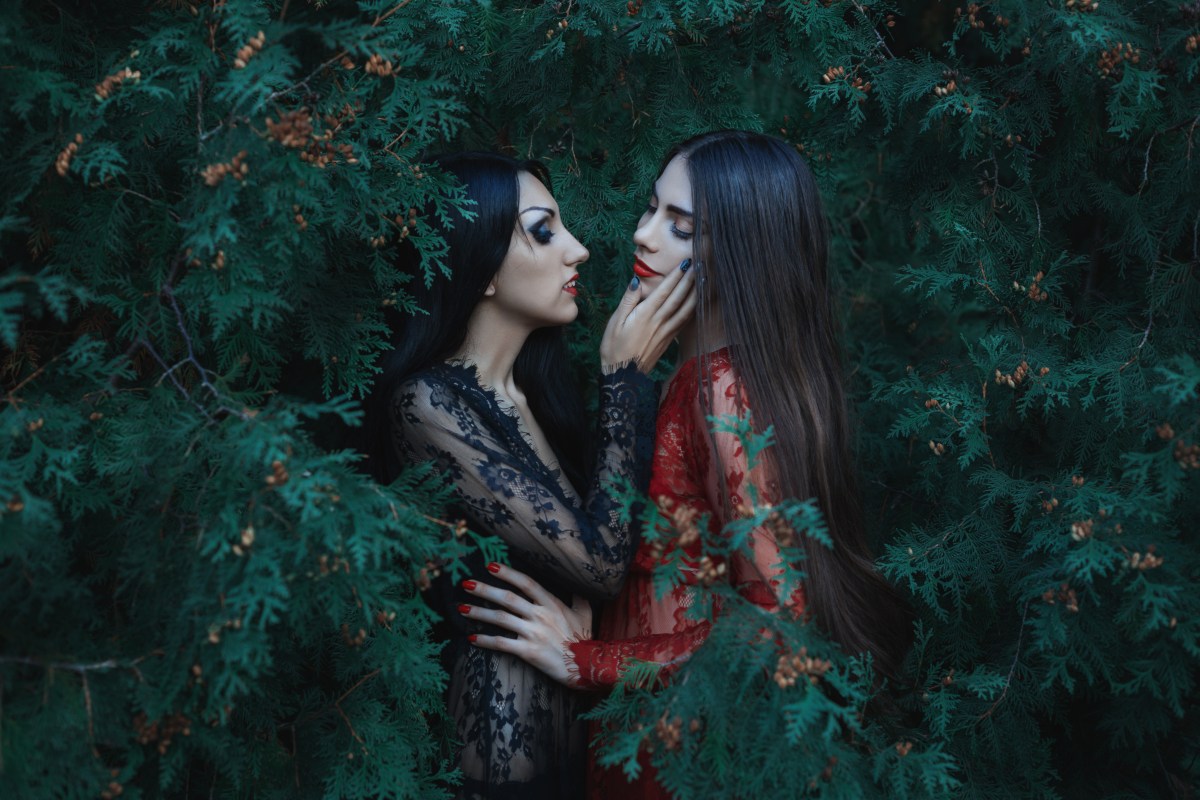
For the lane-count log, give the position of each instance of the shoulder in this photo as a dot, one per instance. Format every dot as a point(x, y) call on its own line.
point(719, 390)
point(728, 389)
point(440, 389)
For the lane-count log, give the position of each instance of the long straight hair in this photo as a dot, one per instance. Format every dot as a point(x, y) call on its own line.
point(476, 250)
point(762, 243)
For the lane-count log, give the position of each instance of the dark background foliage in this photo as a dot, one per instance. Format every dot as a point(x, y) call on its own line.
point(201, 594)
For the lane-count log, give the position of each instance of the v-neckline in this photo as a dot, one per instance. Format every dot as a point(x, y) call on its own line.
point(509, 409)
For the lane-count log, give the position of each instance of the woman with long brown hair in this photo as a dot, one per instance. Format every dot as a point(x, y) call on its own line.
point(764, 345)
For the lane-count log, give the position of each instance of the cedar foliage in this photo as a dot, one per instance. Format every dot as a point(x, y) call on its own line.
point(203, 596)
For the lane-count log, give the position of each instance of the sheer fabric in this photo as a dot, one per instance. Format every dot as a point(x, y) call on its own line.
point(518, 728)
point(694, 473)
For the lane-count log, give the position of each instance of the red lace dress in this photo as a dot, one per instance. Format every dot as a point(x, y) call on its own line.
point(637, 624)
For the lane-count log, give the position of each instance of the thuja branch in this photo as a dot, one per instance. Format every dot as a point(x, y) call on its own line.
point(80, 668)
point(11, 395)
point(1012, 668)
point(986, 284)
point(1137, 351)
point(202, 372)
point(303, 82)
point(940, 543)
point(379, 20)
point(983, 427)
point(880, 43)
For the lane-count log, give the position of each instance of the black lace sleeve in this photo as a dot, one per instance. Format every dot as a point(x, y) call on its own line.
point(582, 544)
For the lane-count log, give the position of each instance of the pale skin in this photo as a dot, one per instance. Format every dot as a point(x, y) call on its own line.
point(541, 624)
point(664, 236)
point(534, 289)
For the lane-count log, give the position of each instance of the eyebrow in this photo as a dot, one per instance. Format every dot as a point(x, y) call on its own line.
point(683, 212)
point(549, 211)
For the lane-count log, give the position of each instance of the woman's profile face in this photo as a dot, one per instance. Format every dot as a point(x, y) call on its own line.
point(536, 280)
point(664, 233)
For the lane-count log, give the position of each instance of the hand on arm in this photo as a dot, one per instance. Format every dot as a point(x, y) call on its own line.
point(543, 624)
point(640, 330)
point(556, 638)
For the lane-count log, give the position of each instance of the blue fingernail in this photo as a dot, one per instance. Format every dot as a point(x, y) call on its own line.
point(633, 284)
point(685, 265)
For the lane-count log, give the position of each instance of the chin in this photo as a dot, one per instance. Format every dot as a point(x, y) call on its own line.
point(568, 316)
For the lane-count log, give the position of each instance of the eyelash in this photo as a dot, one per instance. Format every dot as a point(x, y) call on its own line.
point(541, 233)
point(678, 234)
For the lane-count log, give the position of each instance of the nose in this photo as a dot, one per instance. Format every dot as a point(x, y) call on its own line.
point(643, 236)
point(574, 252)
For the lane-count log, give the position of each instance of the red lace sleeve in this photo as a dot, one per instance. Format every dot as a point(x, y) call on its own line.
point(756, 572)
point(708, 475)
point(598, 664)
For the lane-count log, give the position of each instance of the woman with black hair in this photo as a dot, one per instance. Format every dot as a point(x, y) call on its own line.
point(763, 345)
point(480, 386)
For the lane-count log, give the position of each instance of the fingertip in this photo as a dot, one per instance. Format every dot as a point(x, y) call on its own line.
point(635, 283)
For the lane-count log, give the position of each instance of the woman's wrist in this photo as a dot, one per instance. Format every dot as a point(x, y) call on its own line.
point(572, 679)
point(611, 367)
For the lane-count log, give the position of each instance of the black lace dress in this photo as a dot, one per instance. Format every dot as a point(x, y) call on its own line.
point(520, 733)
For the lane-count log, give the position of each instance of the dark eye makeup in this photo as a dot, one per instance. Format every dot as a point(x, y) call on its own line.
point(676, 231)
point(541, 232)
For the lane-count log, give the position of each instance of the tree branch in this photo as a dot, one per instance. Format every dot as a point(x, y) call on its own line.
point(81, 668)
point(201, 370)
point(987, 285)
point(1149, 324)
point(878, 36)
point(1146, 164)
point(11, 394)
point(1011, 669)
point(169, 373)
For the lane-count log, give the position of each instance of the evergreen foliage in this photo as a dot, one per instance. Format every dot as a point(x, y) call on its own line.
point(203, 596)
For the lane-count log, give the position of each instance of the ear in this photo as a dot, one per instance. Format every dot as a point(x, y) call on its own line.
point(491, 288)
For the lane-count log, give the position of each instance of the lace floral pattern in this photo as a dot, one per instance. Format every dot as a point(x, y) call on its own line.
point(519, 729)
point(700, 474)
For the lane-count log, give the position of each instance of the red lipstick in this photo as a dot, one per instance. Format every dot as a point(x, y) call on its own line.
point(642, 271)
point(569, 286)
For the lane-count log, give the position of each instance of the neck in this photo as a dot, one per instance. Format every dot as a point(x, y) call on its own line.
point(692, 342)
point(688, 338)
point(492, 345)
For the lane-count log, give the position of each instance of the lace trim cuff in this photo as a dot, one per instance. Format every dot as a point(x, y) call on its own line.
point(583, 652)
point(609, 369)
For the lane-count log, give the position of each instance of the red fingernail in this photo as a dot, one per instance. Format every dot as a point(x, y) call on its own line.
point(469, 585)
point(464, 608)
point(472, 638)
point(493, 568)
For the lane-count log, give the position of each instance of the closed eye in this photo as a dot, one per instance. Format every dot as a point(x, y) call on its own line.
point(676, 231)
point(541, 232)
